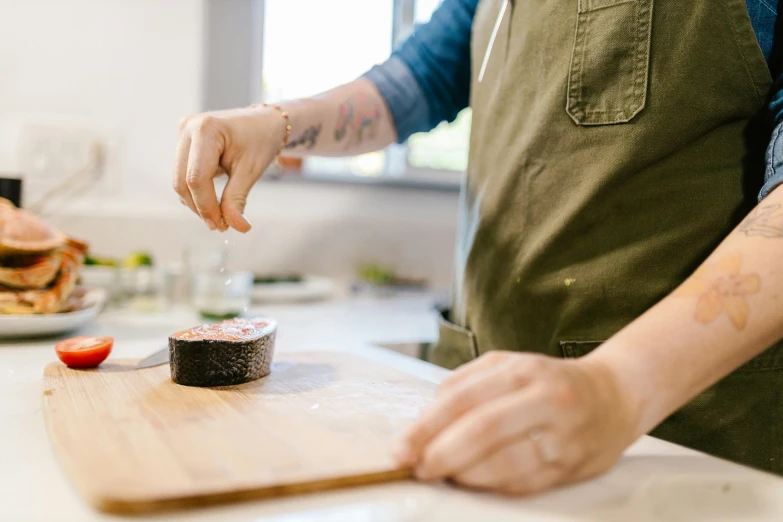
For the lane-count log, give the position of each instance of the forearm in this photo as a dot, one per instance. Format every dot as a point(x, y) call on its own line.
point(348, 120)
point(721, 317)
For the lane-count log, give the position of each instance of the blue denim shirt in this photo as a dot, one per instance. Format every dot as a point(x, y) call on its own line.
point(427, 80)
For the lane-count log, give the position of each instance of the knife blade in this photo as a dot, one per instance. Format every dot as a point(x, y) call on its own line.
point(156, 359)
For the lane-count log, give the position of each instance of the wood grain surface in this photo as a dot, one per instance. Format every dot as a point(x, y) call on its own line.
point(132, 441)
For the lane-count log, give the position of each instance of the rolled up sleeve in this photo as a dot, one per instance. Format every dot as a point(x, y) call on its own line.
point(773, 174)
point(427, 80)
point(403, 95)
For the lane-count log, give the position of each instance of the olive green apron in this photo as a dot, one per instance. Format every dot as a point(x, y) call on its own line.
point(615, 144)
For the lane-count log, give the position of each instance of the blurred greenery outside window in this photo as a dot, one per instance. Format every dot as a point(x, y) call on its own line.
point(309, 56)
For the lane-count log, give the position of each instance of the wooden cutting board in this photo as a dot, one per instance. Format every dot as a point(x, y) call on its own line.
point(132, 441)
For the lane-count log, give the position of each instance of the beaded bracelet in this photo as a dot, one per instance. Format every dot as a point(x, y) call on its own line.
point(284, 114)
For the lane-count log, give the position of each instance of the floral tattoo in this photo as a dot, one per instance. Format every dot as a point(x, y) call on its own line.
point(720, 286)
point(358, 118)
point(766, 221)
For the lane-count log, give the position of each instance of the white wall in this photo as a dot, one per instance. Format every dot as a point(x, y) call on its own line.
point(317, 228)
point(128, 70)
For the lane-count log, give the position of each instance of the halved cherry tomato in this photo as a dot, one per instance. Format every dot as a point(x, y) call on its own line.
point(84, 352)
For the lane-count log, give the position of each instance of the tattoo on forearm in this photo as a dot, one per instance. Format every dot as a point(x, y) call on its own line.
point(764, 221)
point(308, 138)
point(358, 119)
point(720, 286)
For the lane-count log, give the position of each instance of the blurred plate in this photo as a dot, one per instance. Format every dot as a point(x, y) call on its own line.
point(15, 326)
point(310, 288)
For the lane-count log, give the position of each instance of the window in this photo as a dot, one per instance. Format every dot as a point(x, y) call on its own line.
point(423, 10)
point(313, 45)
point(304, 52)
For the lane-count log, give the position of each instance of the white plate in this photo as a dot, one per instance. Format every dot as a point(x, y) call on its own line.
point(311, 288)
point(15, 326)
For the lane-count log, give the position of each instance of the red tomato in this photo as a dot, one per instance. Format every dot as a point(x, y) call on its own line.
point(84, 352)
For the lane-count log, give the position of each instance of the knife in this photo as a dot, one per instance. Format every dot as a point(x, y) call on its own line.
point(156, 359)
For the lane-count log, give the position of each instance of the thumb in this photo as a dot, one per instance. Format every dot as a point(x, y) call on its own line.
point(234, 199)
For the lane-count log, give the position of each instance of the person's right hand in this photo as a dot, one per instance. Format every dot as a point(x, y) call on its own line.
point(240, 143)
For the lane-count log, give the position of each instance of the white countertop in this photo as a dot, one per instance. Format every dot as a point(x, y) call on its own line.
point(655, 481)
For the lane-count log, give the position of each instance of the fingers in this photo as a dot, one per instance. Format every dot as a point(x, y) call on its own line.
point(235, 143)
point(520, 424)
point(197, 163)
point(477, 434)
point(450, 406)
point(234, 198)
point(205, 150)
point(180, 172)
point(516, 469)
point(537, 481)
point(505, 467)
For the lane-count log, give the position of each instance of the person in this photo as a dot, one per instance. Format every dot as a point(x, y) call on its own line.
point(612, 276)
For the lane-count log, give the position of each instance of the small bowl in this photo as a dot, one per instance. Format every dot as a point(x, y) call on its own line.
point(222, 295)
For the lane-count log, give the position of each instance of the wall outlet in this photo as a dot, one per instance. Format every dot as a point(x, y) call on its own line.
point(49, 155)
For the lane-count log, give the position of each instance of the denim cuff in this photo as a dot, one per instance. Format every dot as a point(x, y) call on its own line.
point(404, 97)
point(773, 174)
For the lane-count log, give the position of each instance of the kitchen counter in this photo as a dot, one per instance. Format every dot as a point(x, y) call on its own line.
point(655, 481)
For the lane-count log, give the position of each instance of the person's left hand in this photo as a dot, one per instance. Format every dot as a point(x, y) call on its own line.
point(521, 424)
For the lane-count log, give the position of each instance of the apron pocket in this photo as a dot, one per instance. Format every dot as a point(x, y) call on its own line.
point(456, 345)
point(576, 349)
point(608, 79)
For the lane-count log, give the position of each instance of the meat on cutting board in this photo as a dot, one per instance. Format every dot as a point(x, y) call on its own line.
point(223, 354)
